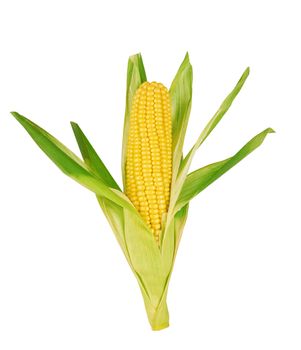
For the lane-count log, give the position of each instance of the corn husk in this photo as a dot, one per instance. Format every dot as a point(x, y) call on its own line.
point(152, 264)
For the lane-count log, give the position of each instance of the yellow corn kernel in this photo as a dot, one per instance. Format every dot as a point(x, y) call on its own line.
point(149, 154)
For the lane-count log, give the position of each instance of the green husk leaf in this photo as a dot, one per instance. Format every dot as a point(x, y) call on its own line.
point(144, 253)
point(170, 244)
point(172, 236)
point(180, 221)
point(198, 180)
point(222, 109)
point(185, 164)
point(115, 217)
point(70, 164)
point(91, 158)
point(148, 265)
point(181, 97)
point(135, 77)
point(112, 211)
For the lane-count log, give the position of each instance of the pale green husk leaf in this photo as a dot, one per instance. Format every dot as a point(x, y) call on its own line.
point(181, 97)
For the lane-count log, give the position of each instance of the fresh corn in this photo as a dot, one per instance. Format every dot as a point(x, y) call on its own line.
point(148, 219)
point(149, 154)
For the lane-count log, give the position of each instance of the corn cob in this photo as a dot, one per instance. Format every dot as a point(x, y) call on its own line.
point(149, 154)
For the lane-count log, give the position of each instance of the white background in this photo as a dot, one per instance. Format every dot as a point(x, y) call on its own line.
point(64, 283)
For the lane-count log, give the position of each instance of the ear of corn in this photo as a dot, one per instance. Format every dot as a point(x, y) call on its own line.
point(149, 154)
point(148, 219)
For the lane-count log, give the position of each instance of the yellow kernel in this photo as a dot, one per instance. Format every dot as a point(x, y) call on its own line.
point(156, 226)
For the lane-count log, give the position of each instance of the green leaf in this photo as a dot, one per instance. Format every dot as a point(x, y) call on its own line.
point(113, 212)
point(198, 180)
point(172, 235)
point(185, 164)
point(70, 164)
point(181, 96)
point(91, 158)
point(180, 221)
point(115, 216)
point(135, 77)
point(145, 256)
point(222, 109)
